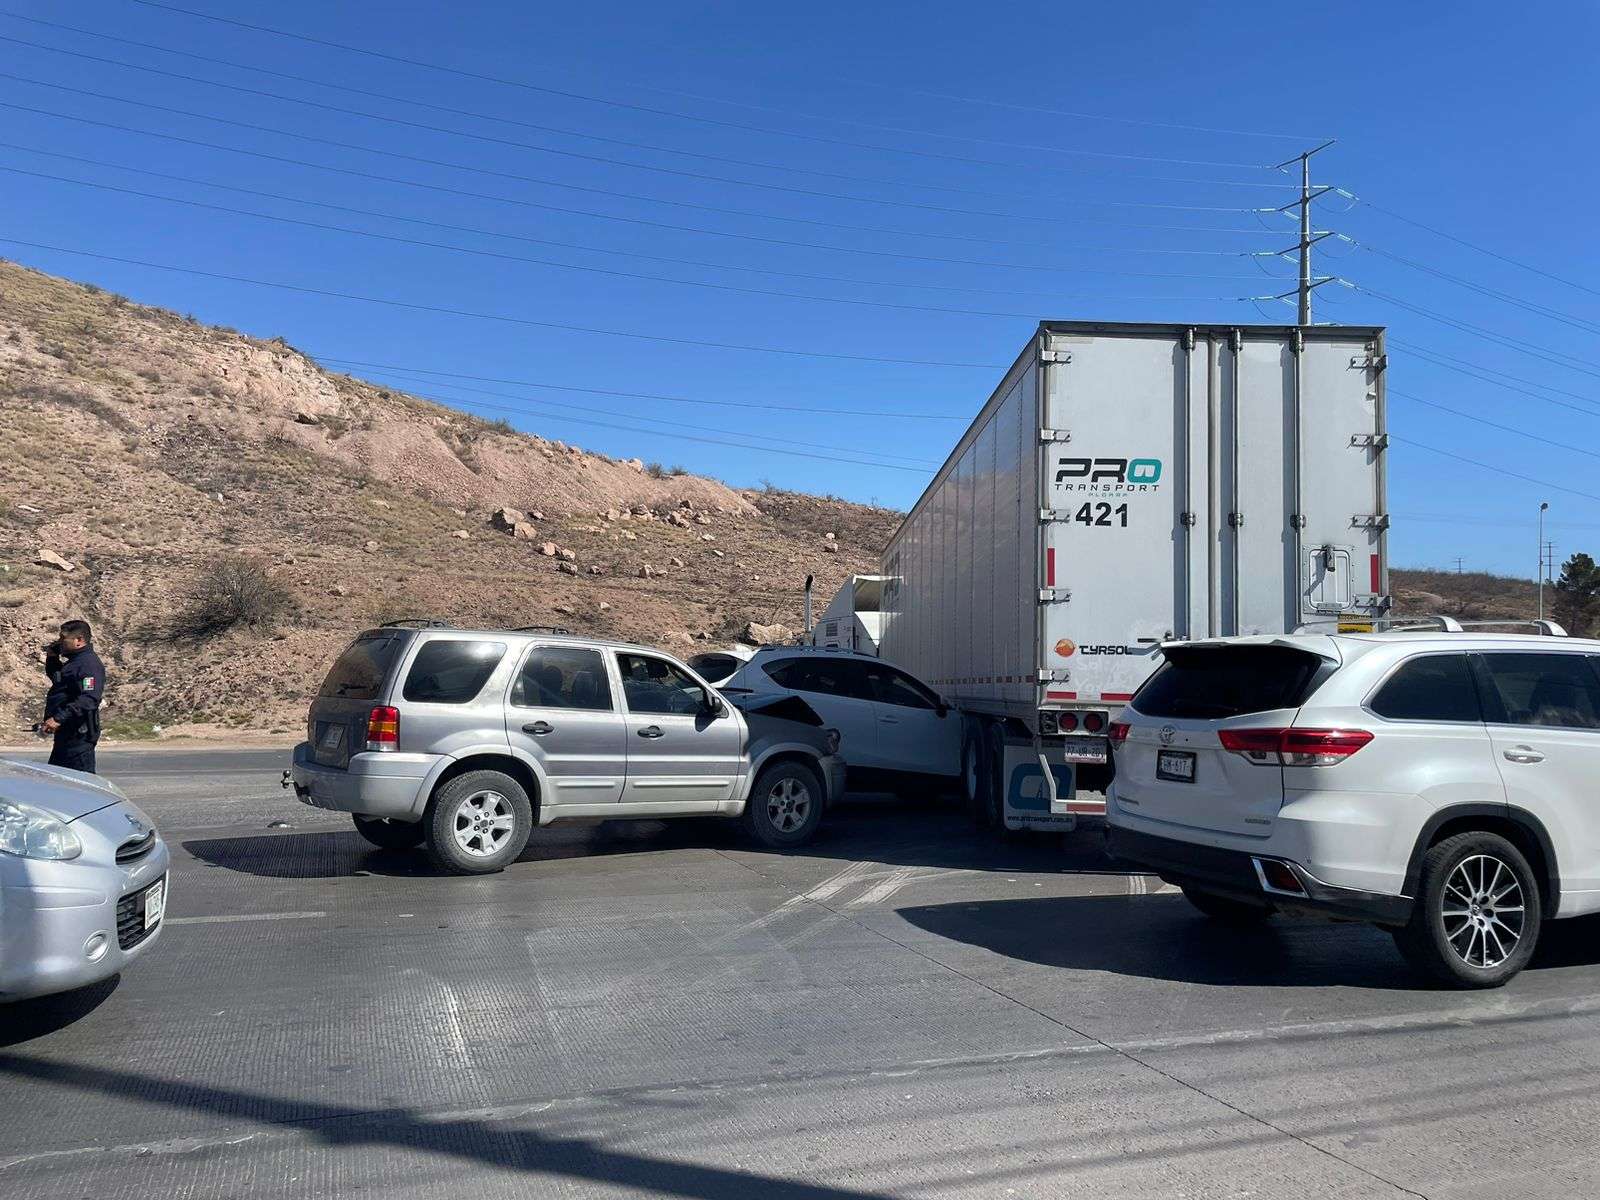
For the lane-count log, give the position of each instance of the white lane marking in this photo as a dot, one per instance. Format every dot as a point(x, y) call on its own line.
point(229, 918)
point(1137, 885)
point(1167, 889)
point(880, 892)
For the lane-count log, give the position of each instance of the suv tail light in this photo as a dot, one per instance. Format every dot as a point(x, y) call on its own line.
point(383, 728)
point(1119, 732)
point(1294, 747)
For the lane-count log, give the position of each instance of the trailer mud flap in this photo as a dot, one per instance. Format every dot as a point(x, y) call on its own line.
point(1029, 804)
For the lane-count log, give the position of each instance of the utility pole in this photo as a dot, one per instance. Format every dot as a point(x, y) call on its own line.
point(1458, 564)
point(1307, 195)
point(1543, 508)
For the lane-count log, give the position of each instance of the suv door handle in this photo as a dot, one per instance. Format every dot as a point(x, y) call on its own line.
point(1523, 754)
point(650, 731)
point(539, 728)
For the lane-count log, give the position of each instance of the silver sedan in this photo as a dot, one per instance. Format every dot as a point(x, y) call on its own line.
point(83, 880)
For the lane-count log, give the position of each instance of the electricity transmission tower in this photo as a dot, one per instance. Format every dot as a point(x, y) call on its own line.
point(1308, 194)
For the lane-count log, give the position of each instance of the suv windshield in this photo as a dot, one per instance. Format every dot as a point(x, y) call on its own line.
point(1214, 682)
point(361, 669)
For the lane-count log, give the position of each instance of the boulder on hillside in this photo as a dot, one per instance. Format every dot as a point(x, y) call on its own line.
point(830, 547)
point(548, 549)
point(460, 533)
point(524, 531)
point(507, 519)
point(566, 555)
point(50, 558)
point(566, 568)
point(765, 635)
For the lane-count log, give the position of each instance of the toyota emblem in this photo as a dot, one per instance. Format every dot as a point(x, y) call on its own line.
point(1167, 734)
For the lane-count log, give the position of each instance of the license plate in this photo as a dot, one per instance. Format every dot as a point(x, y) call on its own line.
point(1084, 749)
point(332, 737)
point(1176, 765)
point(155, 902)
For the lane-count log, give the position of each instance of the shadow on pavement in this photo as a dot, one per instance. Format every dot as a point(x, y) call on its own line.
point(470, 1139)
point(26, 1020)
point(892, 832)
point(1164, 937)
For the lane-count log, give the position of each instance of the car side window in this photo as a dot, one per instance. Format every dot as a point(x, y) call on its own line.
point(451, 670)
point(896, 687)
point(842, 677)
point(657, 687)
point(1555, 690)
point(563, 677)
point(1435, 687)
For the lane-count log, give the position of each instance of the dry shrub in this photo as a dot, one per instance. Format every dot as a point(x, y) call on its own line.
point(233, 592)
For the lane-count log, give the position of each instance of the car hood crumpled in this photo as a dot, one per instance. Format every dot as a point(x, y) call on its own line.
point(66, 795)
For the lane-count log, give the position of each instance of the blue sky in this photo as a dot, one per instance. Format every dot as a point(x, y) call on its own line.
point(821, 127)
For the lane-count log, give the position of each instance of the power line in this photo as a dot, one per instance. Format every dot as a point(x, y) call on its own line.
point(517, 237)
point(517, 83)
point(478, 316)
point(460, 112)
point(1543, 353)
point(782, 443)
point(1544, 483)
point(686, 437)
point(675, 172)
point(640, 221)
point(1471, 285)
point(1080, 116)
point(1522, 433)
point(1498, 378)
point(1460, 241)
point(307, 137)
point(607, 271)
point(395, 368)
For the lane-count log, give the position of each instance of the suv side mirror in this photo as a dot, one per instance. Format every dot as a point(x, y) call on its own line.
point(712, 704)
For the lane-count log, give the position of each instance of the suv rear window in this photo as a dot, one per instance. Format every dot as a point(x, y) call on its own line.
point(1436, 687)
point(452, 670)
point(359, 672)
point(1214, 682)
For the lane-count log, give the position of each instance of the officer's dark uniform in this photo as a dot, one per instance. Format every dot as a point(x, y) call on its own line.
point(77, 681)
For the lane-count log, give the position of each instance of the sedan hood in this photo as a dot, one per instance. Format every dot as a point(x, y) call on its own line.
point(65, 795)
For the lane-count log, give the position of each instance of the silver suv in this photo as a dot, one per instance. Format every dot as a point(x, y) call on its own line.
point(465, 740)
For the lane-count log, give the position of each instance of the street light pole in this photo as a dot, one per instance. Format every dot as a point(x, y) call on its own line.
point(1542, 507)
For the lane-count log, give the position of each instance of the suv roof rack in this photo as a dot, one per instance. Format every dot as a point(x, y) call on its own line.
point(1440, 623)
point(416, 623)
point(555, 629)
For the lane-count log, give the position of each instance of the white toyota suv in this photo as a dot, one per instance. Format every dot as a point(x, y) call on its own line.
point(1443, 784)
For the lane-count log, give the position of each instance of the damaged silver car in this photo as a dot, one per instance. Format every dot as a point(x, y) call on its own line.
point(465, 741)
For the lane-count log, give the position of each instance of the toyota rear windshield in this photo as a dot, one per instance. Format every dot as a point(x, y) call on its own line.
point(360, 671)
point(1209, 683)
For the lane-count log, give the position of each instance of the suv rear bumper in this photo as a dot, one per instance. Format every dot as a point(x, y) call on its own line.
point(373, 785)
point(1236, 874)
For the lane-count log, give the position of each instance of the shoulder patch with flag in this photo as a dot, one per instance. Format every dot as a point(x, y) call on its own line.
point(88, 683)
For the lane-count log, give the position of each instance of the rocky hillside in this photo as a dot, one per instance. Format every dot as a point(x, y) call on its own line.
point(231, 512)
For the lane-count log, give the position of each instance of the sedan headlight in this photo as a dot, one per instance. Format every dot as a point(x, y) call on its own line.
point(833, 740)
point(33, 833)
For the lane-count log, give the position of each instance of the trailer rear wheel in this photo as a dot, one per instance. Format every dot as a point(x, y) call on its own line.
point(975, 777)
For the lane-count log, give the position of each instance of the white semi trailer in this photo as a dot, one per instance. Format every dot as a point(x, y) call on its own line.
point(1128, 485)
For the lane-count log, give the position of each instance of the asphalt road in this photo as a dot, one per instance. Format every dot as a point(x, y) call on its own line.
point(658, 1009)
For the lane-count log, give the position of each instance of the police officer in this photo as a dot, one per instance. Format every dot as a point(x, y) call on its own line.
point(72, 707)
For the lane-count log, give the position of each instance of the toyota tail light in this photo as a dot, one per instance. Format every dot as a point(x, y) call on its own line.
point(1118, 732)
point(1295, 747)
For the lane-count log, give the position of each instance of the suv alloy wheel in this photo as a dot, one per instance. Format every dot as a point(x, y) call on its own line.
point(1477, 914)
point(478, 823)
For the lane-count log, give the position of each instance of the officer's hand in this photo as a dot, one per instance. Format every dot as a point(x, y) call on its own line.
point(50, 725)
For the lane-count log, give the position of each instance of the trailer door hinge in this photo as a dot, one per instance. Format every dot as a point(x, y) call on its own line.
point(1377, 441)
point(1188, 519)
point(1055, 356)
point(1055, 675)
point(1235, 520)
point(1054, 595)
point(1369, 362)
point(1370, 521)
point(1297, 521)
point(1055, 435)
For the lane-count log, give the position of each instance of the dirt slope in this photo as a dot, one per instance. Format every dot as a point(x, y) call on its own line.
point(145, 448)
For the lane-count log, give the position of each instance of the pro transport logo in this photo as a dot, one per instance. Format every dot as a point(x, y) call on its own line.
point(1108, 476)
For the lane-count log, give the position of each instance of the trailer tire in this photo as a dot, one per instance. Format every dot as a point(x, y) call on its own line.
point(995, 742)
point(975, 776)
